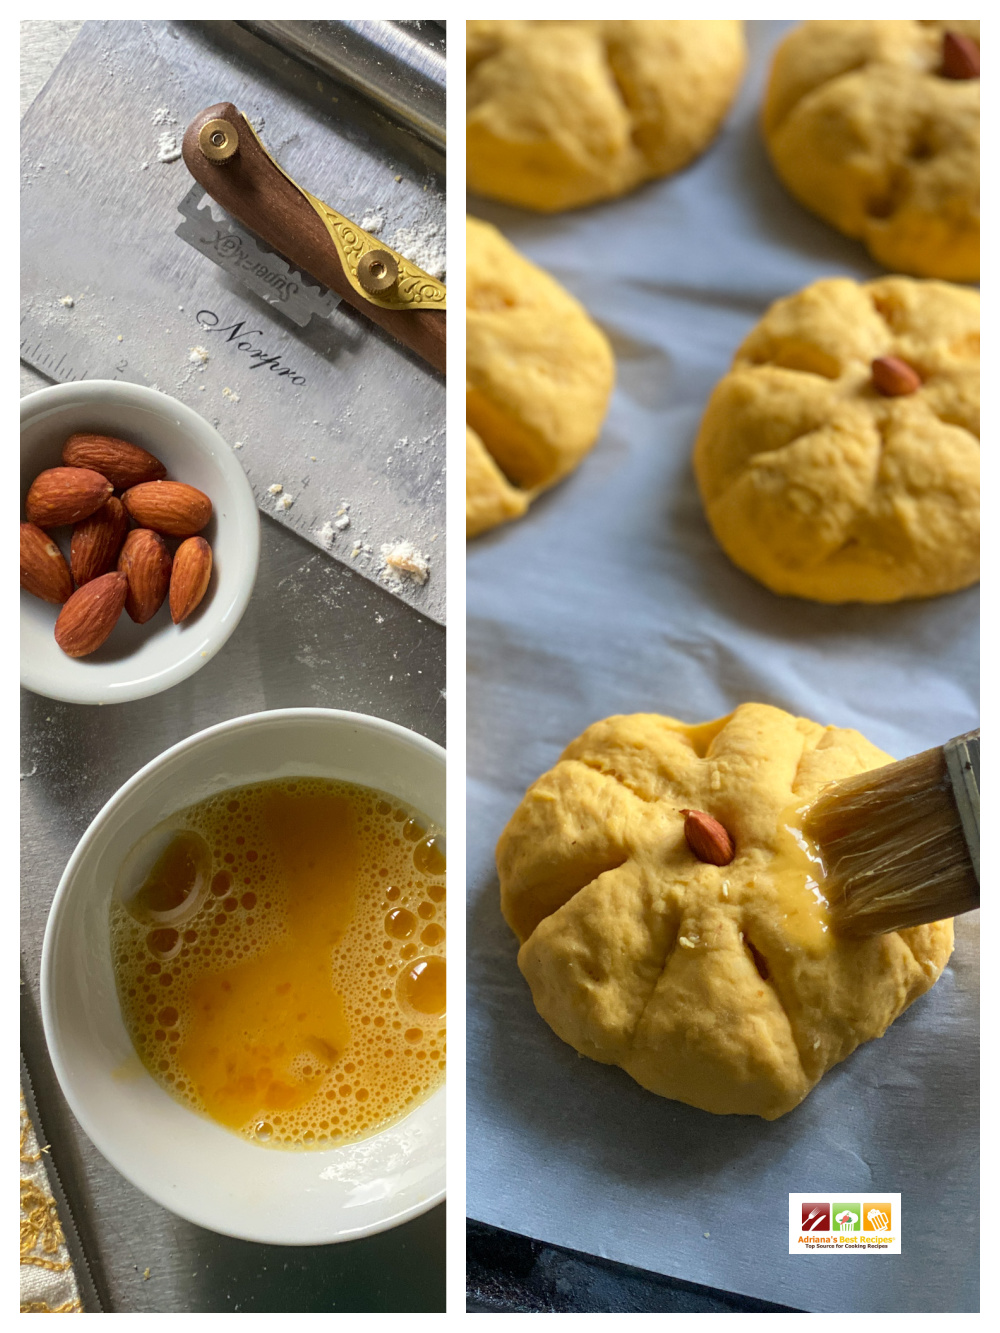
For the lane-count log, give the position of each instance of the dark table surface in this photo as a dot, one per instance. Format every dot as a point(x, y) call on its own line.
point(507, 1274)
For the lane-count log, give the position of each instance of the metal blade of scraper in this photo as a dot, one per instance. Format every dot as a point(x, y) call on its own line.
point(217, 236)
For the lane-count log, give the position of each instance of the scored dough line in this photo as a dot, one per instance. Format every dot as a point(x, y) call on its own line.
point(669, 953)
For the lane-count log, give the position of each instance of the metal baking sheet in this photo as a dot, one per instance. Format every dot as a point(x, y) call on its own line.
point(612, 596)
point(338, 414)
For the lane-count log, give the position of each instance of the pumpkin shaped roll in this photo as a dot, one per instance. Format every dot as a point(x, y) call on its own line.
point(874, 125)
point(565, 112)
point(839, 458)
point(717, 985)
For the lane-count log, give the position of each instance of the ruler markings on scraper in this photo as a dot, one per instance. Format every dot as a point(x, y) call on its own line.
point(46, 363)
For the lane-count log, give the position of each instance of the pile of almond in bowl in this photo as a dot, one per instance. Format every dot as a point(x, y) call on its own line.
point(113, 565)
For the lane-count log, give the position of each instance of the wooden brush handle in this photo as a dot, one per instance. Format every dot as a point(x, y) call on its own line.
point(249, 186)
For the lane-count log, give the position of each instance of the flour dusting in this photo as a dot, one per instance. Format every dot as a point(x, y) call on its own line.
point(402, 561)
point(373, 222)
point(424, 246)
point(167, 148)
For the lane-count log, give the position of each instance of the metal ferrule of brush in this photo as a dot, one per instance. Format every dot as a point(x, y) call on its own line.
point(962, 759)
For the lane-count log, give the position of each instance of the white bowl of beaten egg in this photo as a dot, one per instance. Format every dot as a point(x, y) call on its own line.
point(243, 977)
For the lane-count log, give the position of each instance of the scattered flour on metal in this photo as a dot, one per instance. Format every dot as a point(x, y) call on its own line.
point(373, 222)
point(168, 149)
point(424, 245)
point(402, 561)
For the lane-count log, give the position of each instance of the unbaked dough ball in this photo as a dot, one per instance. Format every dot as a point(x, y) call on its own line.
point(565, 112)
point(865, 128)
point(489, 497)
point(719, 986)
point(820, 485)
point(539, 373)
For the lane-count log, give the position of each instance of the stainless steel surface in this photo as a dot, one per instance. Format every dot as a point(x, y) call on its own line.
point(221, 239)
point(335, 412)
point(400, 67)
point(43, 44)
point(315, 633)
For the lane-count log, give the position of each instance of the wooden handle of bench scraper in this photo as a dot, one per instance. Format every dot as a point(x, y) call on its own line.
point(226, 158)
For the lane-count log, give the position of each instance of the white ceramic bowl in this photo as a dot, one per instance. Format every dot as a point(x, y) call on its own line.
point(139, 660)
point(182, 1160)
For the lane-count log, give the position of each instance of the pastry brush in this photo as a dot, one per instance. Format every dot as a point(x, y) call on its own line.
point(900, 844)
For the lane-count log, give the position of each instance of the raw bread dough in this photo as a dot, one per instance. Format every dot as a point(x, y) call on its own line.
point(489, 497)
point(819, 486)
point(539, 373)
point(714, 985)
point(865, 130)
point(561, 112)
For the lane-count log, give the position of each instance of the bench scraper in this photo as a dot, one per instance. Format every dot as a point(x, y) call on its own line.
point(314, 395)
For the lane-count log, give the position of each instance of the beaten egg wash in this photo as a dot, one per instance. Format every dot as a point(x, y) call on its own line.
point(280, 959)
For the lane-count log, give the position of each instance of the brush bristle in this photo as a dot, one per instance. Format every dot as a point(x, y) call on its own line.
point(892, 846)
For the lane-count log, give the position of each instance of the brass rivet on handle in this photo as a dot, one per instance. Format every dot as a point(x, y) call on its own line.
point(377, 271)
point(218, 140)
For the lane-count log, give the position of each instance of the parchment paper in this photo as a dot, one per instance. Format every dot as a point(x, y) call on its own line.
point(612, 596)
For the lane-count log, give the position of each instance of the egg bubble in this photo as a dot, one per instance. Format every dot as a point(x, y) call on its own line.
point(320, 1103)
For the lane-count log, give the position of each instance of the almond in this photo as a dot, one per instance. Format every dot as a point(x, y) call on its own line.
point(44, 571)
point(91, 614)
point(707, 838)
point(94, 546)
point(894, 378)
point(172, 507)
point(122, 463)
point(145, 562)
point(959, 57)
point(66, 495)
point(189, 578)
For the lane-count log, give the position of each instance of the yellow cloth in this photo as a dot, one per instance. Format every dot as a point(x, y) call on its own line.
point(48, 1284)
